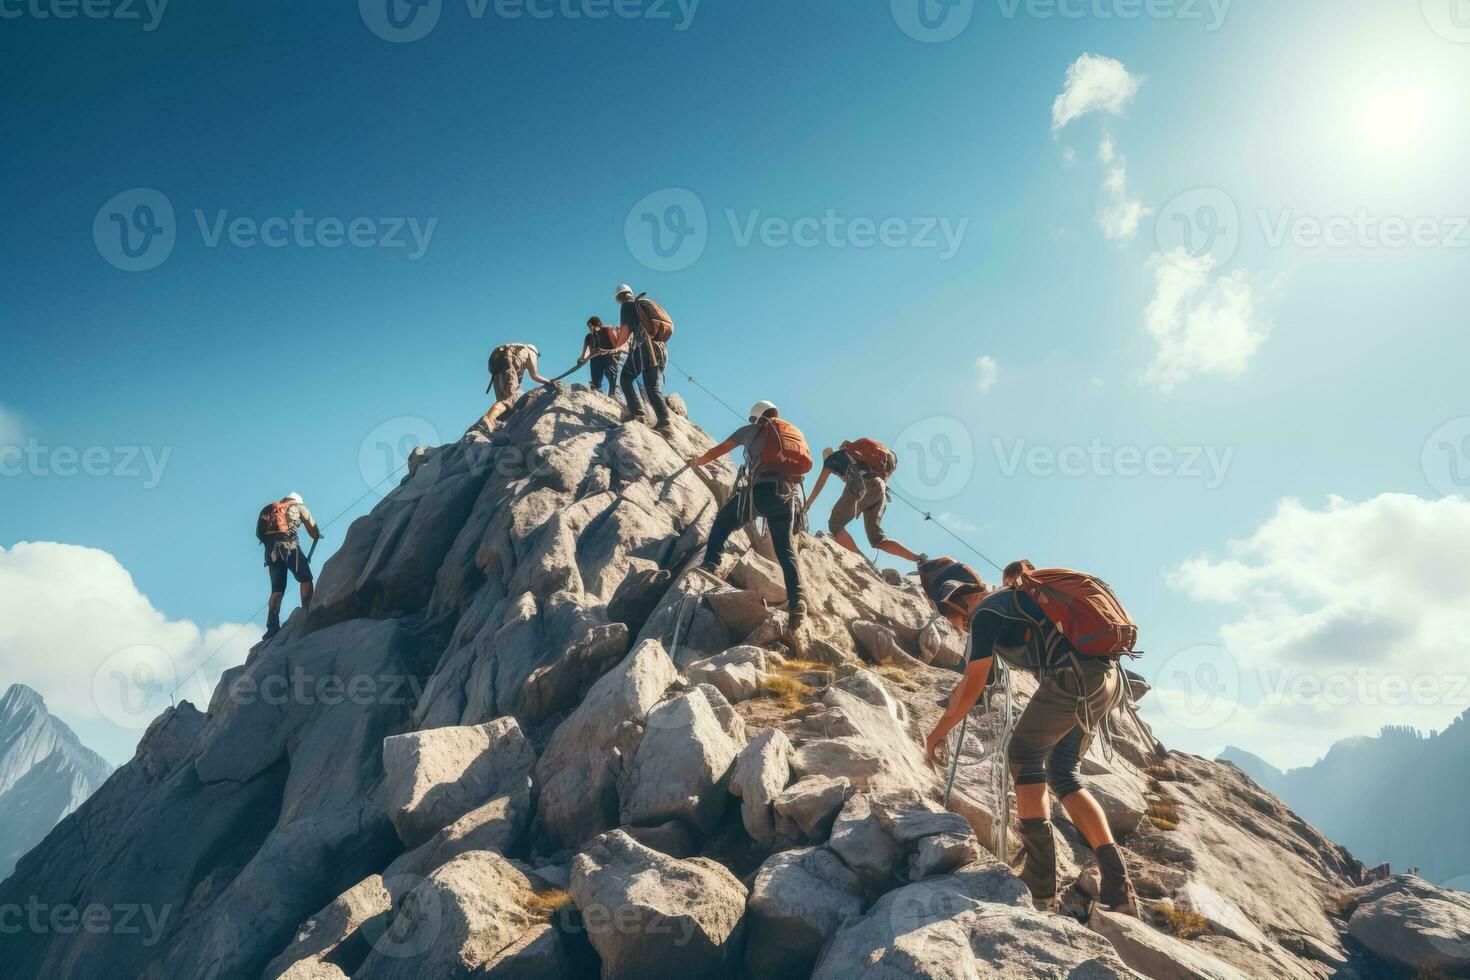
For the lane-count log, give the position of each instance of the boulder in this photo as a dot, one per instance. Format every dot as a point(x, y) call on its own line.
point(467, 918)
point(945, 928)
point(761, 772)
point(498, 826)
point(577, 772)
point(806, 809)
point(432, 778)
point(1156, 955)
point(651, 915)
point(331, 943)
point(737, 673)
point(1422, 929)
point(797, 903)
point(681, 767)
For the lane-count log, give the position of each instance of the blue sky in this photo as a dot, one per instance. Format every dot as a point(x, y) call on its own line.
point(527, 152)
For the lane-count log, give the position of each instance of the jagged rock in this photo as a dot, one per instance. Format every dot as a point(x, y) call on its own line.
point(638, 595)
point(649, 915)
point(577, 772)
point(331, 944)
point(433, 778)
point(725, 712)
point(761, 772)
point(681, 768)
point(559, 686)
point(740, 610)
point(806, 809)
point(944, 927)
point(1416, 926)
point(673, 838)
point(738, 672)
point(1222, 914)
point(465, 919)
point(798, 901)
point(864, 844)
point(495, 826)
point(879, 755)
point(1156, 955)
point(864, 684)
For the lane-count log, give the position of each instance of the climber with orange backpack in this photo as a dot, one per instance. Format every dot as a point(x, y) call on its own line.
point(275, 528)
point(1070, 630)
point(865, 466)
point(770, 486)
point(646, 330)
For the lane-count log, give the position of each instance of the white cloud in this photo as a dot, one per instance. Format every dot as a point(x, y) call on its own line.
point(12, 433)
point(1202, 325)
point(1120, 217)
point(1345, 619)
point(987, 372)
point(1094, 84)
point(957, 523)
point(67, 613)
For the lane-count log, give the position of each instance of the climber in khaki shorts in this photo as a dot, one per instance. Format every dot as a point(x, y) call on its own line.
point(508, 364)
point(864, 466)
point(1075, 694)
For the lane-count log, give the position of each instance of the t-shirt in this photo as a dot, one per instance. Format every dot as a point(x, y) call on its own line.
point(629, 318)
point(751, 438)
point(596, 344)
point(1009, 624)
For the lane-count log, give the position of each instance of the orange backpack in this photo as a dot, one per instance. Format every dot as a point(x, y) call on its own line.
point(656, 323)
point(785, 452)
point(1084, 610)
point(274, 520)
point(874, 455)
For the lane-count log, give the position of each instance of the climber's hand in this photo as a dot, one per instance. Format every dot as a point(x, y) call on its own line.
point(932, 749)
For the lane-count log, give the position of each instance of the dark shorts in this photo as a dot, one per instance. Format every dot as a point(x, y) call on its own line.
point(285, 557)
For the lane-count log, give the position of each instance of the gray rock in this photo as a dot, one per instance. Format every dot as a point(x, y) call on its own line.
point(331, 942)
point(681, 768)
point(808, 807)
point(761, 772)
point(1420, 928)
point(946, 927)
point(797, 903)
point(1156, 955)
point(648, 914)
point(433, 778)
point(497, 826)
point(737, 673)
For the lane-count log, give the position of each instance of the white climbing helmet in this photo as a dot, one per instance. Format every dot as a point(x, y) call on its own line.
point(294, 497)
point(759, 409)
point(534, 349)
point(623, 290)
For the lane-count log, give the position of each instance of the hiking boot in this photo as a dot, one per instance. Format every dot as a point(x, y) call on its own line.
point(1116, 891)
point(1039, 873)
point(665, 429)
point(797, 617)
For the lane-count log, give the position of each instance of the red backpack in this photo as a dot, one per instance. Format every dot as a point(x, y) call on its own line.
point(785, 452)
point(656, 323)
point(274, 520)
point(874, 455)
point(1084, 610)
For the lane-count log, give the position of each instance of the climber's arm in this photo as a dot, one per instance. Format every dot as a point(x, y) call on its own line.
point(723, 449)
point(817, 490)
point(965, 694)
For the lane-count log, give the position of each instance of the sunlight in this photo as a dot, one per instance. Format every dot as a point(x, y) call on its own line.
point(1393, 119)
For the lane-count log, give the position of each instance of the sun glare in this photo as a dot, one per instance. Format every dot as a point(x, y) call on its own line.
point(1393, 119)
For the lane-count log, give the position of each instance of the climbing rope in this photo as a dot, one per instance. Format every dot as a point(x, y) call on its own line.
point(172, 695)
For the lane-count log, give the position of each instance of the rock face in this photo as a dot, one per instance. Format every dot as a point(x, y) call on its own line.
point(45, 773)
point(547, 751)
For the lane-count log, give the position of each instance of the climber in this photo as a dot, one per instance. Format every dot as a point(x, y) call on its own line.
point(953, 588)
point(276, 528)
point(864, 466)
point(600, 341)
point(1074, 696)
point(508, 364)
point(644, 328)
point(776, 459)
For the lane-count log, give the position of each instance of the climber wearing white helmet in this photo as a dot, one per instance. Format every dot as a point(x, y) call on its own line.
point(276, 528)
point(645, 329)
point(776, 461)
point(508, 364)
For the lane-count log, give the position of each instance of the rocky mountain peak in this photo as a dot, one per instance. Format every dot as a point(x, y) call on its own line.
point(514, 738)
